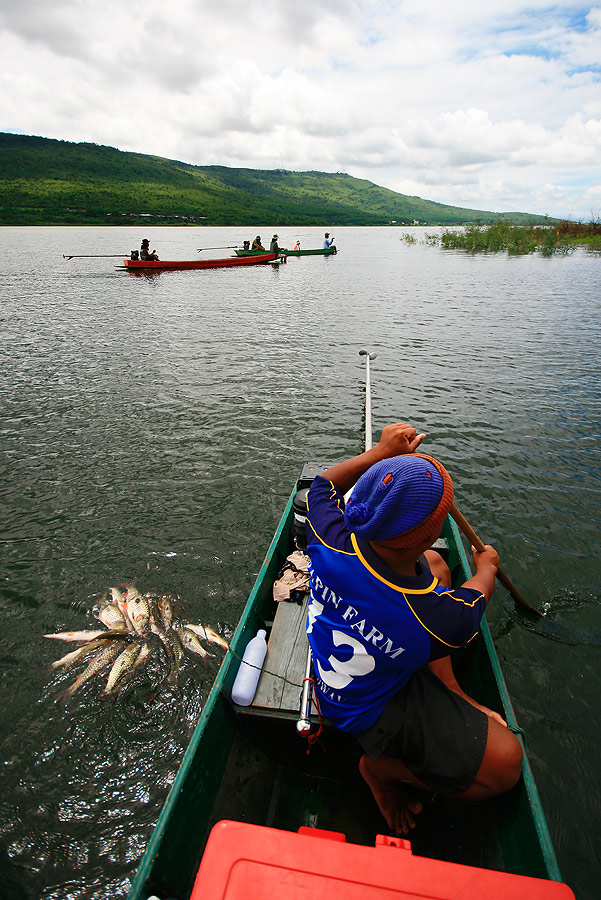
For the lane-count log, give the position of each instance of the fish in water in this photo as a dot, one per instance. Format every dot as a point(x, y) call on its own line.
point(101, 660)
point(88, 647)
point(207, 634)
point(75, 635)
point(140, 627)
point(110, 612)
point(124, 661)
point(191, 642)
point(138, 609)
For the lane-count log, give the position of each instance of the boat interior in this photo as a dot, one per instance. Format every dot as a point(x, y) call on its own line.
point(251, 764)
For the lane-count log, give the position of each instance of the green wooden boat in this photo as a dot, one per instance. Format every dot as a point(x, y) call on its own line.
point(250, 764)
point(283, 252)
point(330, 251)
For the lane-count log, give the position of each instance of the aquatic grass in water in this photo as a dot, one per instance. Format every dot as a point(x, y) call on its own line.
point(502, 236)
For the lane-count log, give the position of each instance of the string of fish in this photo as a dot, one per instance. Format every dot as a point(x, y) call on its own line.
point(136, 625)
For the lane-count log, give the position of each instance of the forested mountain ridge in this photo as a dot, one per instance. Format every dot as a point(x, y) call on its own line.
point(50, 182)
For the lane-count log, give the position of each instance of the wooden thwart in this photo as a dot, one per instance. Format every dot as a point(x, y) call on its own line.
point(280, 684)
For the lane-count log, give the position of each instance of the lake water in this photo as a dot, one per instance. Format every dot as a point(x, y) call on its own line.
point(153, 426)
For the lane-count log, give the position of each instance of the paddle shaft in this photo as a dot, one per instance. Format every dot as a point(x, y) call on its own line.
point(471, 535)
point(94, 256)
point(459, 518)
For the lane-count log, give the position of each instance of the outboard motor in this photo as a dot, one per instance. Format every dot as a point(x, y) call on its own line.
point(299, 506)
point(299, 501)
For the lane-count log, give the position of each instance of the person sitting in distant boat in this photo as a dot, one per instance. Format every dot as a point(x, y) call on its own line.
point(145, 252)
point(382, 621)
point(327, 241)
point(273, 247)
point(246, 245)
point(297, 245)
point(257, 245)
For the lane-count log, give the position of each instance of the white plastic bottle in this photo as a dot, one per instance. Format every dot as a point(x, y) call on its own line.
point(245, 685)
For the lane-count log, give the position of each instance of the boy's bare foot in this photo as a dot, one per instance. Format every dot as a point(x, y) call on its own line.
point(395, 799)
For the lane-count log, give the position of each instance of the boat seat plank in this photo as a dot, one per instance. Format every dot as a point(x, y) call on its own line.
point(280, 684)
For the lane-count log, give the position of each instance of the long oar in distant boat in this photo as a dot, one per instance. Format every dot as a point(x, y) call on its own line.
point(455, 514)
point(94, 256)
point(229, 247)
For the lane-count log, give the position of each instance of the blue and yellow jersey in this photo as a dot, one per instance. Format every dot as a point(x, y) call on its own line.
point(370, 628)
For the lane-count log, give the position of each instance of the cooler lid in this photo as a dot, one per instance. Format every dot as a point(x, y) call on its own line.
point(252, 862)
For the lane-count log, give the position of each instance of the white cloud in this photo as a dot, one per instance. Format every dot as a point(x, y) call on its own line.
point(494, 106)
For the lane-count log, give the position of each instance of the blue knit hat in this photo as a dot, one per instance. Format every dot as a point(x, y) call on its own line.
point(400, 501)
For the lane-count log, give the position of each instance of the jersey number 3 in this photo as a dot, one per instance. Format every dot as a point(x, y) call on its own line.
point(343, 671)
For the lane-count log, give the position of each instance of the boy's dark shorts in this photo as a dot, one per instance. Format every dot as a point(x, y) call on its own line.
point(438, 735)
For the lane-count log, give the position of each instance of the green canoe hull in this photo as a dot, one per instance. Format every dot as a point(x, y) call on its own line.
point(283, 252)
point(256, 769)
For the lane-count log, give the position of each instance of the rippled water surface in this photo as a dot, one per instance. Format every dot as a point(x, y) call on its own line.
point(152, 427)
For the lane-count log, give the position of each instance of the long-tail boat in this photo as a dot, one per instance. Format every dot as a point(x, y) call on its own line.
point(297, 824)
point(325, 251)
point(157, 265)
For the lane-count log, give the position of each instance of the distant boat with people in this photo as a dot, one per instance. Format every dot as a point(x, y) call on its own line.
point(284, 252)
point(250, 259)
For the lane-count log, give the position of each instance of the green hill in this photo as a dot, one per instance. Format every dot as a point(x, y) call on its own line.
point(50, 182)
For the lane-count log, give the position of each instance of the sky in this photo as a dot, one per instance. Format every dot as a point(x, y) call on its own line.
point(492, 105)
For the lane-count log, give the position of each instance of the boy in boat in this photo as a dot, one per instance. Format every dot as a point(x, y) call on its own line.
point(145, 252)
point(257, 245)
point(382, 621)
point(327, 241)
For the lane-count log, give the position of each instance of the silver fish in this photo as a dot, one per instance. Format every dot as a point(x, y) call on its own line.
point(81, 652)
point(116, 596)
point(165, 607)
point(110, 612)
point(207, 634)
point(138, 609)
point(96, 665)
point(124, 661)
point(75, 635)
point(191, 642)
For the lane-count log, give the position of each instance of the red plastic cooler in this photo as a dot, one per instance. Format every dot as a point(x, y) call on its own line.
point(251, 862)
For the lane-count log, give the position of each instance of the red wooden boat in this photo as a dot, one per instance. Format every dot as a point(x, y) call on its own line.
point(157, 265)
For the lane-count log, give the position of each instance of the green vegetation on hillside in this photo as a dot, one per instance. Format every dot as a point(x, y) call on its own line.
point(49, 182)
point(561, 237)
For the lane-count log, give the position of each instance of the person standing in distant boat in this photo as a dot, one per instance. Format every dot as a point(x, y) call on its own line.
point(297, 245)
point(328, 241)
point(145, 252)
point(273, 247)
point(257, 245)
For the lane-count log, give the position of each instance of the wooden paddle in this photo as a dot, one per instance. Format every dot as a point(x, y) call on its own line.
point(471, 535)
point(459, 518)
point(95, 256)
